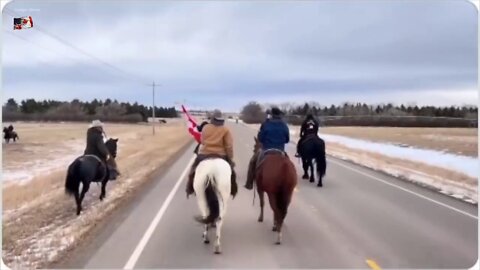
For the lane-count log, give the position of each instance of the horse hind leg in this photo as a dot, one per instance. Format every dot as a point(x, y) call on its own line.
point(312, 173)
point(261, 196)
point(320, 172)
point(85, 188)
point(223, 192)
point(273, 204)
point(102, 194)
point(279, 225)
point(78, 202)
point(217, 247)
point(320, 180)
point(205, 235)
point(305, 169)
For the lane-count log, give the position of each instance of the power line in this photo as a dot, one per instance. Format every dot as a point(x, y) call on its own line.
point(68, 44)
point(39, 46)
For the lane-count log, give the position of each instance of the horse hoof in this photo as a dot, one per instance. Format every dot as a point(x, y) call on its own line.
point(278, 243)
point(311, 181)
point(305, 177)
point(206, 241)
point(319, 185)
point(274, 229)
point(260, 219)
point(217, 250)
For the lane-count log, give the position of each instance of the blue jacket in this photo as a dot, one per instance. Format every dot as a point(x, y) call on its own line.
point(274, 134)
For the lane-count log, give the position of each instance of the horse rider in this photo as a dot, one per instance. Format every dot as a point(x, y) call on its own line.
point(216, 142)
point(199, 128)
point(309, 127)
point(273, 135)
point(10, 128)
point(96, 146)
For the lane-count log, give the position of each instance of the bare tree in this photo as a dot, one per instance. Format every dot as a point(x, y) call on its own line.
point(253, 113)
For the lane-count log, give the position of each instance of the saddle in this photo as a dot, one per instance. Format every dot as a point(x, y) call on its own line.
point(263, 154)
point(210, 156)
point(309, 137)
point(105, 165)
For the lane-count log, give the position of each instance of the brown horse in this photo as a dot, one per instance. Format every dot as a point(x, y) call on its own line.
point(276, 175)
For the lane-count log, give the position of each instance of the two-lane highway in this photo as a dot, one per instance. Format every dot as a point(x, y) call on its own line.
point(358, 216)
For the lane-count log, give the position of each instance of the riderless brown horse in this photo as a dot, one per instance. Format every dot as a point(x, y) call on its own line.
point(275, 175)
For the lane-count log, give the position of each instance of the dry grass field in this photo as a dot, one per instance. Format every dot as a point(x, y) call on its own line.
point(39, 221)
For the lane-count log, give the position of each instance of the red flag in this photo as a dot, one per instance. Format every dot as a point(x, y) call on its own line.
point(192, 126)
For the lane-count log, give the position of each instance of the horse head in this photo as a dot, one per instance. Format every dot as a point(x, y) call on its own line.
point(111, 145)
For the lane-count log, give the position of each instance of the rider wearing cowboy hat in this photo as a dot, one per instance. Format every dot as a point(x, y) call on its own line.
point(216, 141)
point(96, 146)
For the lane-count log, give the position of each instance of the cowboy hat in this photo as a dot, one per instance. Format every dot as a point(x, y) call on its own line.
point(96, 123)
point(217, 115)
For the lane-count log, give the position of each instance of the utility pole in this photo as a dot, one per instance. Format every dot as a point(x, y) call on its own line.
point(153, 107)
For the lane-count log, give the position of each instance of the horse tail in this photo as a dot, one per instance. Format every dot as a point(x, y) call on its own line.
point(212, 202)
point(284, 194)
point(282, 203)
point(321, 158)
point(72, 184)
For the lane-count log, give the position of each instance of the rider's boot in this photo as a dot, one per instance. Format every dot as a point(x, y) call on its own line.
point(189, 188)
point(234, 186)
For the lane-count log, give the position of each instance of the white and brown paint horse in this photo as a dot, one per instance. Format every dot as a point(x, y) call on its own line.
point(212, 187)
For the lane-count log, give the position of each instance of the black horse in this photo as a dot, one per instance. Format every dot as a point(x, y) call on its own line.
point(87, 169)
point(9, 134)
point(313, 148)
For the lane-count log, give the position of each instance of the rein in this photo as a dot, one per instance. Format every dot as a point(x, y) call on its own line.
point(254, 189)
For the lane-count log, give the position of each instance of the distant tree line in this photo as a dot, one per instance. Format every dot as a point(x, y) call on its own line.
point(368, 115)
point(76, 110)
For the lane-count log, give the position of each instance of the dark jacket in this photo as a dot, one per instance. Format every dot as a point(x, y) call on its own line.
point(309, 126)
point(274, 134)
point(95, 144)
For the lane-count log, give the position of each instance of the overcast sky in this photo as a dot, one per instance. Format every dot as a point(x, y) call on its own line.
point(224, 54)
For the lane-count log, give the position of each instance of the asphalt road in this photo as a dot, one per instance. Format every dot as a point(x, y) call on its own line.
point(359, 219)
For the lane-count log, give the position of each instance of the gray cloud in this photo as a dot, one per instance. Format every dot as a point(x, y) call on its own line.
point(228, 53)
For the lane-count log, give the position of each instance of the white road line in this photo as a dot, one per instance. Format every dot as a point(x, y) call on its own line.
point(406, 190)
point(148, 233)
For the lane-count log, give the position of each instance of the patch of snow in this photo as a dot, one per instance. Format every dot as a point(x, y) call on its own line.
point(463, 164)
point(465, 192)
point(31, 169)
